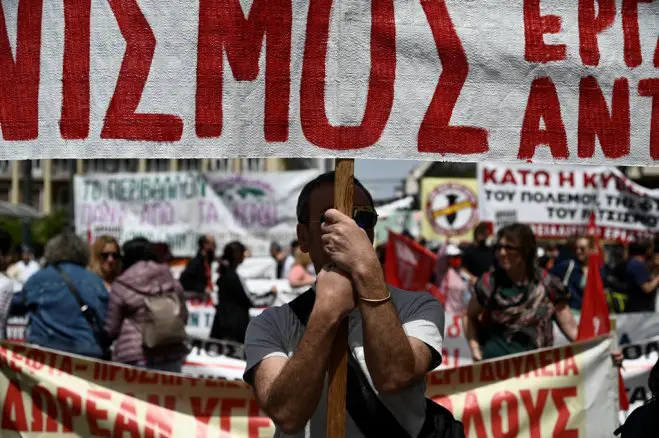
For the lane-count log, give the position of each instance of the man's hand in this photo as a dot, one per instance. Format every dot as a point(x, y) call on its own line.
point(335, 296)
point(346, 244)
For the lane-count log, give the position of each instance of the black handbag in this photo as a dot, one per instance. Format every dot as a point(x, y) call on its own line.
point(90, 316)
point(366, 409)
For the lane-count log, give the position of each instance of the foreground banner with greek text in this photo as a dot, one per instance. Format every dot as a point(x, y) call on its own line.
point(435, 79)
point(44, 393)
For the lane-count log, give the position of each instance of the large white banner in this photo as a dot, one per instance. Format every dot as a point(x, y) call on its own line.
point(557, 201)
point(498, 80)
point(176, 207)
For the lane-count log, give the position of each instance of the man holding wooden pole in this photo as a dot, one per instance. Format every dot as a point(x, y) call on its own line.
point(394, 336)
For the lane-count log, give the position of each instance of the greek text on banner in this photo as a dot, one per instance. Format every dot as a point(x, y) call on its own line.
point(446, 79)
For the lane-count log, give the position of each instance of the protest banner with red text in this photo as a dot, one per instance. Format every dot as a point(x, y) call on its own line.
point(446, 79)
point(47, 394)
point(557, 201)
point(555, 392)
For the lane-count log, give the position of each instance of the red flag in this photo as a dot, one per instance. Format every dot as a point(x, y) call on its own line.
point(407, 264)
point(595, 319)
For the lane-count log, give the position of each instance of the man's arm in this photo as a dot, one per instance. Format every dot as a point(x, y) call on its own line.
point(288, 390)
point(650, 286)
point(395, 361)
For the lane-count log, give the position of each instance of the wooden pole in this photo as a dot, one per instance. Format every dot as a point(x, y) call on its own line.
point(338, 363)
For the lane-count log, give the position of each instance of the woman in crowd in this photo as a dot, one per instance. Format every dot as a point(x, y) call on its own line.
point(232, 310)
point(49, 298)
point(299, 276)
point(106, 259)
point(514, 304)
point(143, 277)
point(452, 286)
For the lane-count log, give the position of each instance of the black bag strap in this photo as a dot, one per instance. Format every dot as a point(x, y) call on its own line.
point(366, 409)
point(90, 314)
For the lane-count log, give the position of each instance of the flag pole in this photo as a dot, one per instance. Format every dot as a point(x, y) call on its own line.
point(338, 362)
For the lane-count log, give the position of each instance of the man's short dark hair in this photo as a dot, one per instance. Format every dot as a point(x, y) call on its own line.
point(639, 248)
point(6, 242)
point(202, 241)
point(482, 228)
point(302, 209)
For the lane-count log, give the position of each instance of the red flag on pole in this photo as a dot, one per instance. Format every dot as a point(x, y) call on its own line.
point(408, 265)
point(595, 319)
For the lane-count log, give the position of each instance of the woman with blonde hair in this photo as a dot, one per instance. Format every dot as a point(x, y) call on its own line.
point(105, 261)
point(299, 275)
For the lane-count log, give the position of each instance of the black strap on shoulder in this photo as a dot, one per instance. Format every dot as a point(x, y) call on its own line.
point(90, 314)
point(364, 406)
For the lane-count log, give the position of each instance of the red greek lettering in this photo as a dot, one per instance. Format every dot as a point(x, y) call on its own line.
point(632, 41)
point(650, 88)
point(472, 413)
point(558, 395)
point(380, 96)
point(94, 413)
point(534, 411)
point(612, 129)
point(159, 417)
point(435, 133)
point(122, 121)
point(42, 400)
point(19, 80)
point(74, 122)
point(591, 24)
point(257, 420)
point(13, 410)
point(535, 27)
point(203, 413)
point(224, 28)
point(126, 421)
point(543, 104)
point(510, 400)
point(70, 405)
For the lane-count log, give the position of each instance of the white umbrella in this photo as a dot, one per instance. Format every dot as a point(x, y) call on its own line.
point(22, 211)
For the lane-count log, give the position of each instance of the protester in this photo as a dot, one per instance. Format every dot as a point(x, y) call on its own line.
point(453, 286)
point(514, 304)
point(290, 258)
point(299, 275)
point(106, 257)
point(396, 336)
point(550, 258)
point(49, 299)
point(279, 256)
point(7, 286)
point(478, 258)
point(197, 276)
point(232, 310)
point(25, 267)
point(142, 279)
point(641, 286)
point(645, 419)
point(573, 273)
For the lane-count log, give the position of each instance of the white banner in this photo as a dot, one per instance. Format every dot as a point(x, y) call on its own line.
point(438, 79)
point(176, 207)
point(556, 201)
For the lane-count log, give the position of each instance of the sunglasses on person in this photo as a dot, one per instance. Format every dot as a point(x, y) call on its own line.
point(507, 248)
point(365, 217)
point(107, 255)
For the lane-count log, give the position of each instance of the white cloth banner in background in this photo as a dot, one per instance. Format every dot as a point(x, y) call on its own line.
point(556, 201)
point(177, 207)
point(455, 80)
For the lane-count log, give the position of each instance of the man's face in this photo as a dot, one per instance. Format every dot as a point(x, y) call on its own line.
point(309, 236)
point(210, 246)
point(582, 250)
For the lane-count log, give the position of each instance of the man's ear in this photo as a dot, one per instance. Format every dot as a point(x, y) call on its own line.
point(303, 237)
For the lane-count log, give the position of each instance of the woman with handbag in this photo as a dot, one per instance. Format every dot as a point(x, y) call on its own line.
point(66, 302)
point(131, 319)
